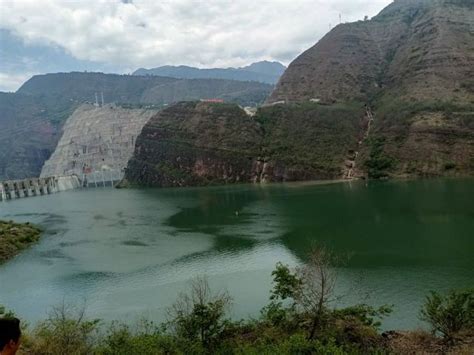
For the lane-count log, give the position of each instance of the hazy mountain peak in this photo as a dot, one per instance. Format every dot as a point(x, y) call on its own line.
point(264, 71)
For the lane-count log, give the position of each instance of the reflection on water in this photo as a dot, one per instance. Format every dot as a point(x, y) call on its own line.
point(127, 253)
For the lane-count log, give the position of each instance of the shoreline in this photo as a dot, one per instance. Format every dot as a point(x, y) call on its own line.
point(16, 237)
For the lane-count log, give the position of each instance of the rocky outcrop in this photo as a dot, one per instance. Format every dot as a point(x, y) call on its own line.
point(97, 139)
point(194, 143)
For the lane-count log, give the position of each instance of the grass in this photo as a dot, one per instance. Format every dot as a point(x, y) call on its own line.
point(15, 237)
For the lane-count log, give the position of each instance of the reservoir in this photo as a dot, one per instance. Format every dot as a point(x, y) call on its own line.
point(126, 254)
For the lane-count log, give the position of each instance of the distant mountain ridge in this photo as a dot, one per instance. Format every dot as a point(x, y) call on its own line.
point(264, 71)
point(31, 119)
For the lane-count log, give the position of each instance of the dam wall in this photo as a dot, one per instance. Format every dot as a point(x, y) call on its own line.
point(97, 143)
point(13, 189)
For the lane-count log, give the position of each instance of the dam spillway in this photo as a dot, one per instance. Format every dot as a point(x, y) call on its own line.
point(13, 189)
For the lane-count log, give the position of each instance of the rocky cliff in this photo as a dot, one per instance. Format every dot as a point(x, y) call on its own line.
point(97, 139)
point(194, 143)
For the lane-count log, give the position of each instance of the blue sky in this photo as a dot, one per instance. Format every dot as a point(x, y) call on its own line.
point(120, 36)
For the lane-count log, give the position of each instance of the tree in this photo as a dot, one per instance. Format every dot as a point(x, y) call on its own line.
point(318, 280)
point(450, 315)
point(311, 288)
point(199, 314)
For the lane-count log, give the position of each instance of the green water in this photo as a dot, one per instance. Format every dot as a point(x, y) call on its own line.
point(125, 254)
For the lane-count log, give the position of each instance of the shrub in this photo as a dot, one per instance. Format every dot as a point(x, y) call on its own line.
point(67, 332)
point(148, 339)
point(199, 314)
point(450, 315)
point(378, 163)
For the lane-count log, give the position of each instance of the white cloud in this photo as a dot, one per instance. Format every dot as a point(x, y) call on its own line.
point(207, 33)
point(11, 82)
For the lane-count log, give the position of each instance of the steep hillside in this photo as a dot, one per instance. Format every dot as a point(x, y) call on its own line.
point(413, 64)
point(264, 72)
point(195, 144)
point(27, 135)
point(200, 143)
point(414, 49)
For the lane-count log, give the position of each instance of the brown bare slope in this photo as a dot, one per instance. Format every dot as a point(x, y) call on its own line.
point(414, 49)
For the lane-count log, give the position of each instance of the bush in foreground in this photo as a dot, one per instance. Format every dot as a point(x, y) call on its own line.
point(451, 315)
point(299, 319)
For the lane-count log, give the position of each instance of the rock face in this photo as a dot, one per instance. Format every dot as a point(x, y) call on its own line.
point(97, 139)
point(413, 64)
point(414, 49)
point(193, 144)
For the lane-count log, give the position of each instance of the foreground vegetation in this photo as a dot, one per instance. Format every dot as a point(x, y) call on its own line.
point(14, 237)
point(299, 319)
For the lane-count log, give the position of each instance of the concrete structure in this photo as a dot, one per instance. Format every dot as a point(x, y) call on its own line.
point(97, 143)
point(13, 189)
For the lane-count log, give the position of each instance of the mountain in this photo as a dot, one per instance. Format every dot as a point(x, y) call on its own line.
point(265, 72)
point(156, 90)
point(38, 110)
point(414, 50)
point(199, 143)
point(413, 65)
point(27, 135)
point(389, 97)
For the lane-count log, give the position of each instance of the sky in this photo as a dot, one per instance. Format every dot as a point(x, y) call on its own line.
point(119, 36)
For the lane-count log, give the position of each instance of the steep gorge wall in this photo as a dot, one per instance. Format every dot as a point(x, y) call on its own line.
point(414, 49)
point(413, 64)
point(97, 139)
point(194, 143)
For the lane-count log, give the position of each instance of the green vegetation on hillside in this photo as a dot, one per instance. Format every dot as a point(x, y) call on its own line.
point(15, 237)
point(310, 138)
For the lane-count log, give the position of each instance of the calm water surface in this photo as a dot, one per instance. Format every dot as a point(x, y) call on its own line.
point(127, 253)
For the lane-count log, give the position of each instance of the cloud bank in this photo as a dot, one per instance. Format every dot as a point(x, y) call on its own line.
point(129, 34)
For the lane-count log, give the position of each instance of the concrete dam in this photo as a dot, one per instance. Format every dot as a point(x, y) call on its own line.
point(13, 189)
point(95, 147)
point(96, 144)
